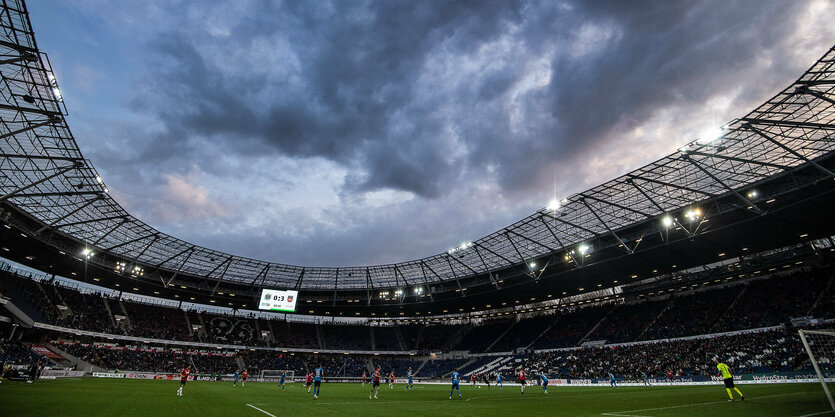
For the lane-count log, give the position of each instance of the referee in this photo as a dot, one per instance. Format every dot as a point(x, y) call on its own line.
point(725, 372)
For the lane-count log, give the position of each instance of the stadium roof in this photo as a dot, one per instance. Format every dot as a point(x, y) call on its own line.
point(44, 174)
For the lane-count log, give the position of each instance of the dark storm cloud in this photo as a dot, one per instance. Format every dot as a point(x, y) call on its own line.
point(438, 121)
point(359, 96)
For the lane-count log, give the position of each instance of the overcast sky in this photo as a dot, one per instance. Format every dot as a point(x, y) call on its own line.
point(356, 132)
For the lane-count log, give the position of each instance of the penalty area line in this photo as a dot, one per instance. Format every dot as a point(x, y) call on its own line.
point(629, 413)
point(271, 415)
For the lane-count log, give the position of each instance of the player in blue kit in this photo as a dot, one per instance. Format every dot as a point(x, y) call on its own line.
point(612, 381)
point(499, 380)
point(318, 373)
point(455, 376)
point(409, 381)
point(544, 382)
point(237, 375)
point(646, 379)
point(281, 381)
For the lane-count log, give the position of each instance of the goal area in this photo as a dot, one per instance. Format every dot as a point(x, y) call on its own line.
point(820, 346)
point(274, 375)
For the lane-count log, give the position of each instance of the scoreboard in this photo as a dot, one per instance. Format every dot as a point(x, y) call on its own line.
point(278, 300)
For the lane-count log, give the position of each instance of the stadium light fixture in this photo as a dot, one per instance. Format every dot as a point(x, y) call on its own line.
point(693, 214)
point(87, 253)
point(710, 136)
point(553, 205)
point(462, 246)
point(752, 194)
point(667, 221)
point(583, 248)
point(533, 265)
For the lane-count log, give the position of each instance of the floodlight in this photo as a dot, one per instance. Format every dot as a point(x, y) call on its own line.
point(553, 205)
point(752, 194)
point(709, 136)
point(533, 264)
point(583, 249)
point(667, 221)
point(693, 214)
point(87, 252)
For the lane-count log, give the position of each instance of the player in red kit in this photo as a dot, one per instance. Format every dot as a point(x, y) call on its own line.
point(243, 378)
point(308, 381)
point(183, 378)
point(375, 386)
point(363, 378)
point(522, 379)
point(391, 380)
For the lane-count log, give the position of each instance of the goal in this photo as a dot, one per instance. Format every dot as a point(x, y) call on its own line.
point(274, 375)
point(820, 345)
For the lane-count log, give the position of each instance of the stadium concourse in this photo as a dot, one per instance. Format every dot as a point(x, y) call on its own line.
point(644, 295)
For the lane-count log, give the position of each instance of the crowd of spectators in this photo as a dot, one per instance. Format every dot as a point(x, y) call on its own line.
point(84, 311)
point(16, 353)
point(770, 351)
point(748, 304)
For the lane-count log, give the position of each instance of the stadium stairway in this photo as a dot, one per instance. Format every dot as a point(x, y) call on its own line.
point(320, 338)
point(601, 321)
point(202, 333)
point(544, 332)
point(19, 314)
point(461, 368)
point(79, 364)
point(422, 364)
point(240, 362)
point(21, 308)
point(729, 308)
point(271, 337)
point(825, 291)
point(457, 337)
point(125, 312)
point(504, 333)
point(658, 316)
point(188, 323)
point(401, 342)
point(419, 337)
point(109, 312)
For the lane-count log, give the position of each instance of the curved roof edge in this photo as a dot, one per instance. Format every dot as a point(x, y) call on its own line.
point(45, 175)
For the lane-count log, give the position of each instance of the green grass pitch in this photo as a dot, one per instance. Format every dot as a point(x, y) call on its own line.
point(115, 397)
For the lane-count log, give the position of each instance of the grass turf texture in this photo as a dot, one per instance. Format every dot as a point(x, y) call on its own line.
point(114, 397)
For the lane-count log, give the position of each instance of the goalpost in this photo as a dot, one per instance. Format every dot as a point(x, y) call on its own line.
point(820, 345)
point(274, 375)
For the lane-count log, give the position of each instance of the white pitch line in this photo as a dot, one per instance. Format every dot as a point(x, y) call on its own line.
point(271, 415)
point(818, 414)
point(629, 412)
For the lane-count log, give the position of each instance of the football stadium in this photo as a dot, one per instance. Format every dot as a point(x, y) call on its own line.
point(699, 283)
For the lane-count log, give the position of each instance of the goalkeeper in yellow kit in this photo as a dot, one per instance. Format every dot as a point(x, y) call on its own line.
point(725, 372)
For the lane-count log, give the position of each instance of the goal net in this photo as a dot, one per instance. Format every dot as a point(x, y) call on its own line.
point(820, 345)
point(274, 375)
